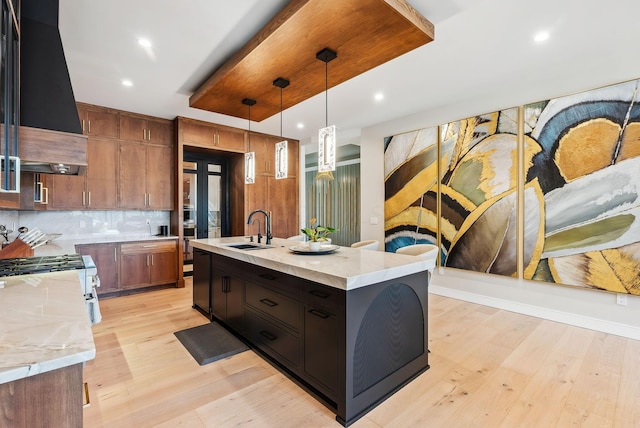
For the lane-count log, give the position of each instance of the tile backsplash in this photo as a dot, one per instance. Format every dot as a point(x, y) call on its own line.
point(87, 224)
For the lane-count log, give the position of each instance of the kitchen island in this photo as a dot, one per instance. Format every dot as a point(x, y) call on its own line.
point(350, 327)
point(45, 338)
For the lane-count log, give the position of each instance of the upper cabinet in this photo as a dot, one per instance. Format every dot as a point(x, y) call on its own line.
point(145, 129)
point(98, 121)
point(196, 133)
point(264, 147)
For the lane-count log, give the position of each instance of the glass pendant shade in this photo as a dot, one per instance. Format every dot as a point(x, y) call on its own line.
point(282, 161)
point(250, 167)
point(327, 149)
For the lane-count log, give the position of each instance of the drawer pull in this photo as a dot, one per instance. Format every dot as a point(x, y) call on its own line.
point(319, 313)
point(268, 335)
point(269, 303)
point(267, 276)
point(319, 293)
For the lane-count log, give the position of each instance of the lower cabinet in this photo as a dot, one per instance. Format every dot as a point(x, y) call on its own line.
point(145, 264)
point(227, 295)
point(49, 399)
point(202, 281)
point(126, 266)
point(293, 321)
point(106, 258)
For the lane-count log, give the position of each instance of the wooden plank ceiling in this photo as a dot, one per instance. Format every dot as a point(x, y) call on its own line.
point(363, 33)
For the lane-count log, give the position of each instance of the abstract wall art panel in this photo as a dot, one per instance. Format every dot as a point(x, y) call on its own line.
point(411, 184)
point(479, 182)
point(588, 172)
point(580, 193)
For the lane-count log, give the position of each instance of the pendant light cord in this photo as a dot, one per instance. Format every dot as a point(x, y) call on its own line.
point(280, 112)
point(249, 128)
point(326, 94)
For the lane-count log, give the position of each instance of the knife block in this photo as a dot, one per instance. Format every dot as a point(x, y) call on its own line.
point(17, 248)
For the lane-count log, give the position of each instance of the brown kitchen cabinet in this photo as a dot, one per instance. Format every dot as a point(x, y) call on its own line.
point(141, 128)
point(52, 399)
point(106, 258)
point(264, 147)
point(196, 133)
point(145, 176)
point(278, 196)
point(96, 189)
point(144, 264)
point(98, 121)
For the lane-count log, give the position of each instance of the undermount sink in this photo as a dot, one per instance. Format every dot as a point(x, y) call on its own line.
point(248, 246)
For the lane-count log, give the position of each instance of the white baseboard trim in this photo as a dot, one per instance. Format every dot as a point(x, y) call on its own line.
point(596, 324)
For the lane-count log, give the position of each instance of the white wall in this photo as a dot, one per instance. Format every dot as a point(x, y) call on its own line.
point(586, 308)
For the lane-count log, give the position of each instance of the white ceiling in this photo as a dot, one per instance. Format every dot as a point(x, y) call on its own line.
point(483, 50)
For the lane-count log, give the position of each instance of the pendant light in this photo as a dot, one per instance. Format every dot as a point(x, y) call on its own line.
point(249, 157)
point(326, 135)
point(282, 161)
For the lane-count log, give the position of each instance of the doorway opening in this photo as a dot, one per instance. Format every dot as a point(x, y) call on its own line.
point(205, 201)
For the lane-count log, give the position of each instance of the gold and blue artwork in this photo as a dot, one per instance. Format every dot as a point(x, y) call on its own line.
point(411, 176)
point(457, 185)
point(588, 170)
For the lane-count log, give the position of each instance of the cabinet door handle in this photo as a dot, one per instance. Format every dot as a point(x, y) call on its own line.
point(115, 254)
point(267, 276)
point(319, 293)
point(269, 303)
point(83, 127)
point(268, 335)
point(151, 259)
point(148, 134)
point(88, 199)
point(225, 284)
point(319, 313)
point(46, 195)
point(89, 126)
point(83, 198)
point(149, 199)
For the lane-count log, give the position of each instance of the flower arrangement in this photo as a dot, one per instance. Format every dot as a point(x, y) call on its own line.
point(317, 233)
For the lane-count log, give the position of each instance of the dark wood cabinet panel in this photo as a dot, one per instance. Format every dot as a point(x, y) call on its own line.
point(148, 263)
point(202, 281)
point(208, 135)
point(134, 270)
point(320, 347)
point(98, 121)
point(145, 176)
point(145, 129)
point(132, 175)
point(106, 258)
point(101, 174)
point(50, 399)
point(67, 192)
point(163, 268)
point(159, 177)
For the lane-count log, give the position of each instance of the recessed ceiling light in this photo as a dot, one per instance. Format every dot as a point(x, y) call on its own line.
point(145, 43)
point(541, 36)
point(300, 125)
point(379, 96)
point(127, 82)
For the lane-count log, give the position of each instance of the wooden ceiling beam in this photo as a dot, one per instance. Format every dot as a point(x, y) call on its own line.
point(364, 34)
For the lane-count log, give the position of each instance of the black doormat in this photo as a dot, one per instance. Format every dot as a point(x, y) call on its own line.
point(210, 342)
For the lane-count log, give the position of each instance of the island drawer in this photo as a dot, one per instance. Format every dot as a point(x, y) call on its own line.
point(273, 339)
point(273, 304)
point(321, 295)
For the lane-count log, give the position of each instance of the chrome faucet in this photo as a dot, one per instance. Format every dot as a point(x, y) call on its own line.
point(268, 223)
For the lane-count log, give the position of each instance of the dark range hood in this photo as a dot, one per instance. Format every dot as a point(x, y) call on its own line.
point(50, 138)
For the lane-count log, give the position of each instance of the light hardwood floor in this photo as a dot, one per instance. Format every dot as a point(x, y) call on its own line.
point(489, 368)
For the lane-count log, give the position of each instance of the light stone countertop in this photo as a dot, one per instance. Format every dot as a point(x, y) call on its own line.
point(44, 324)
point(348, 268)
point(68, 246)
